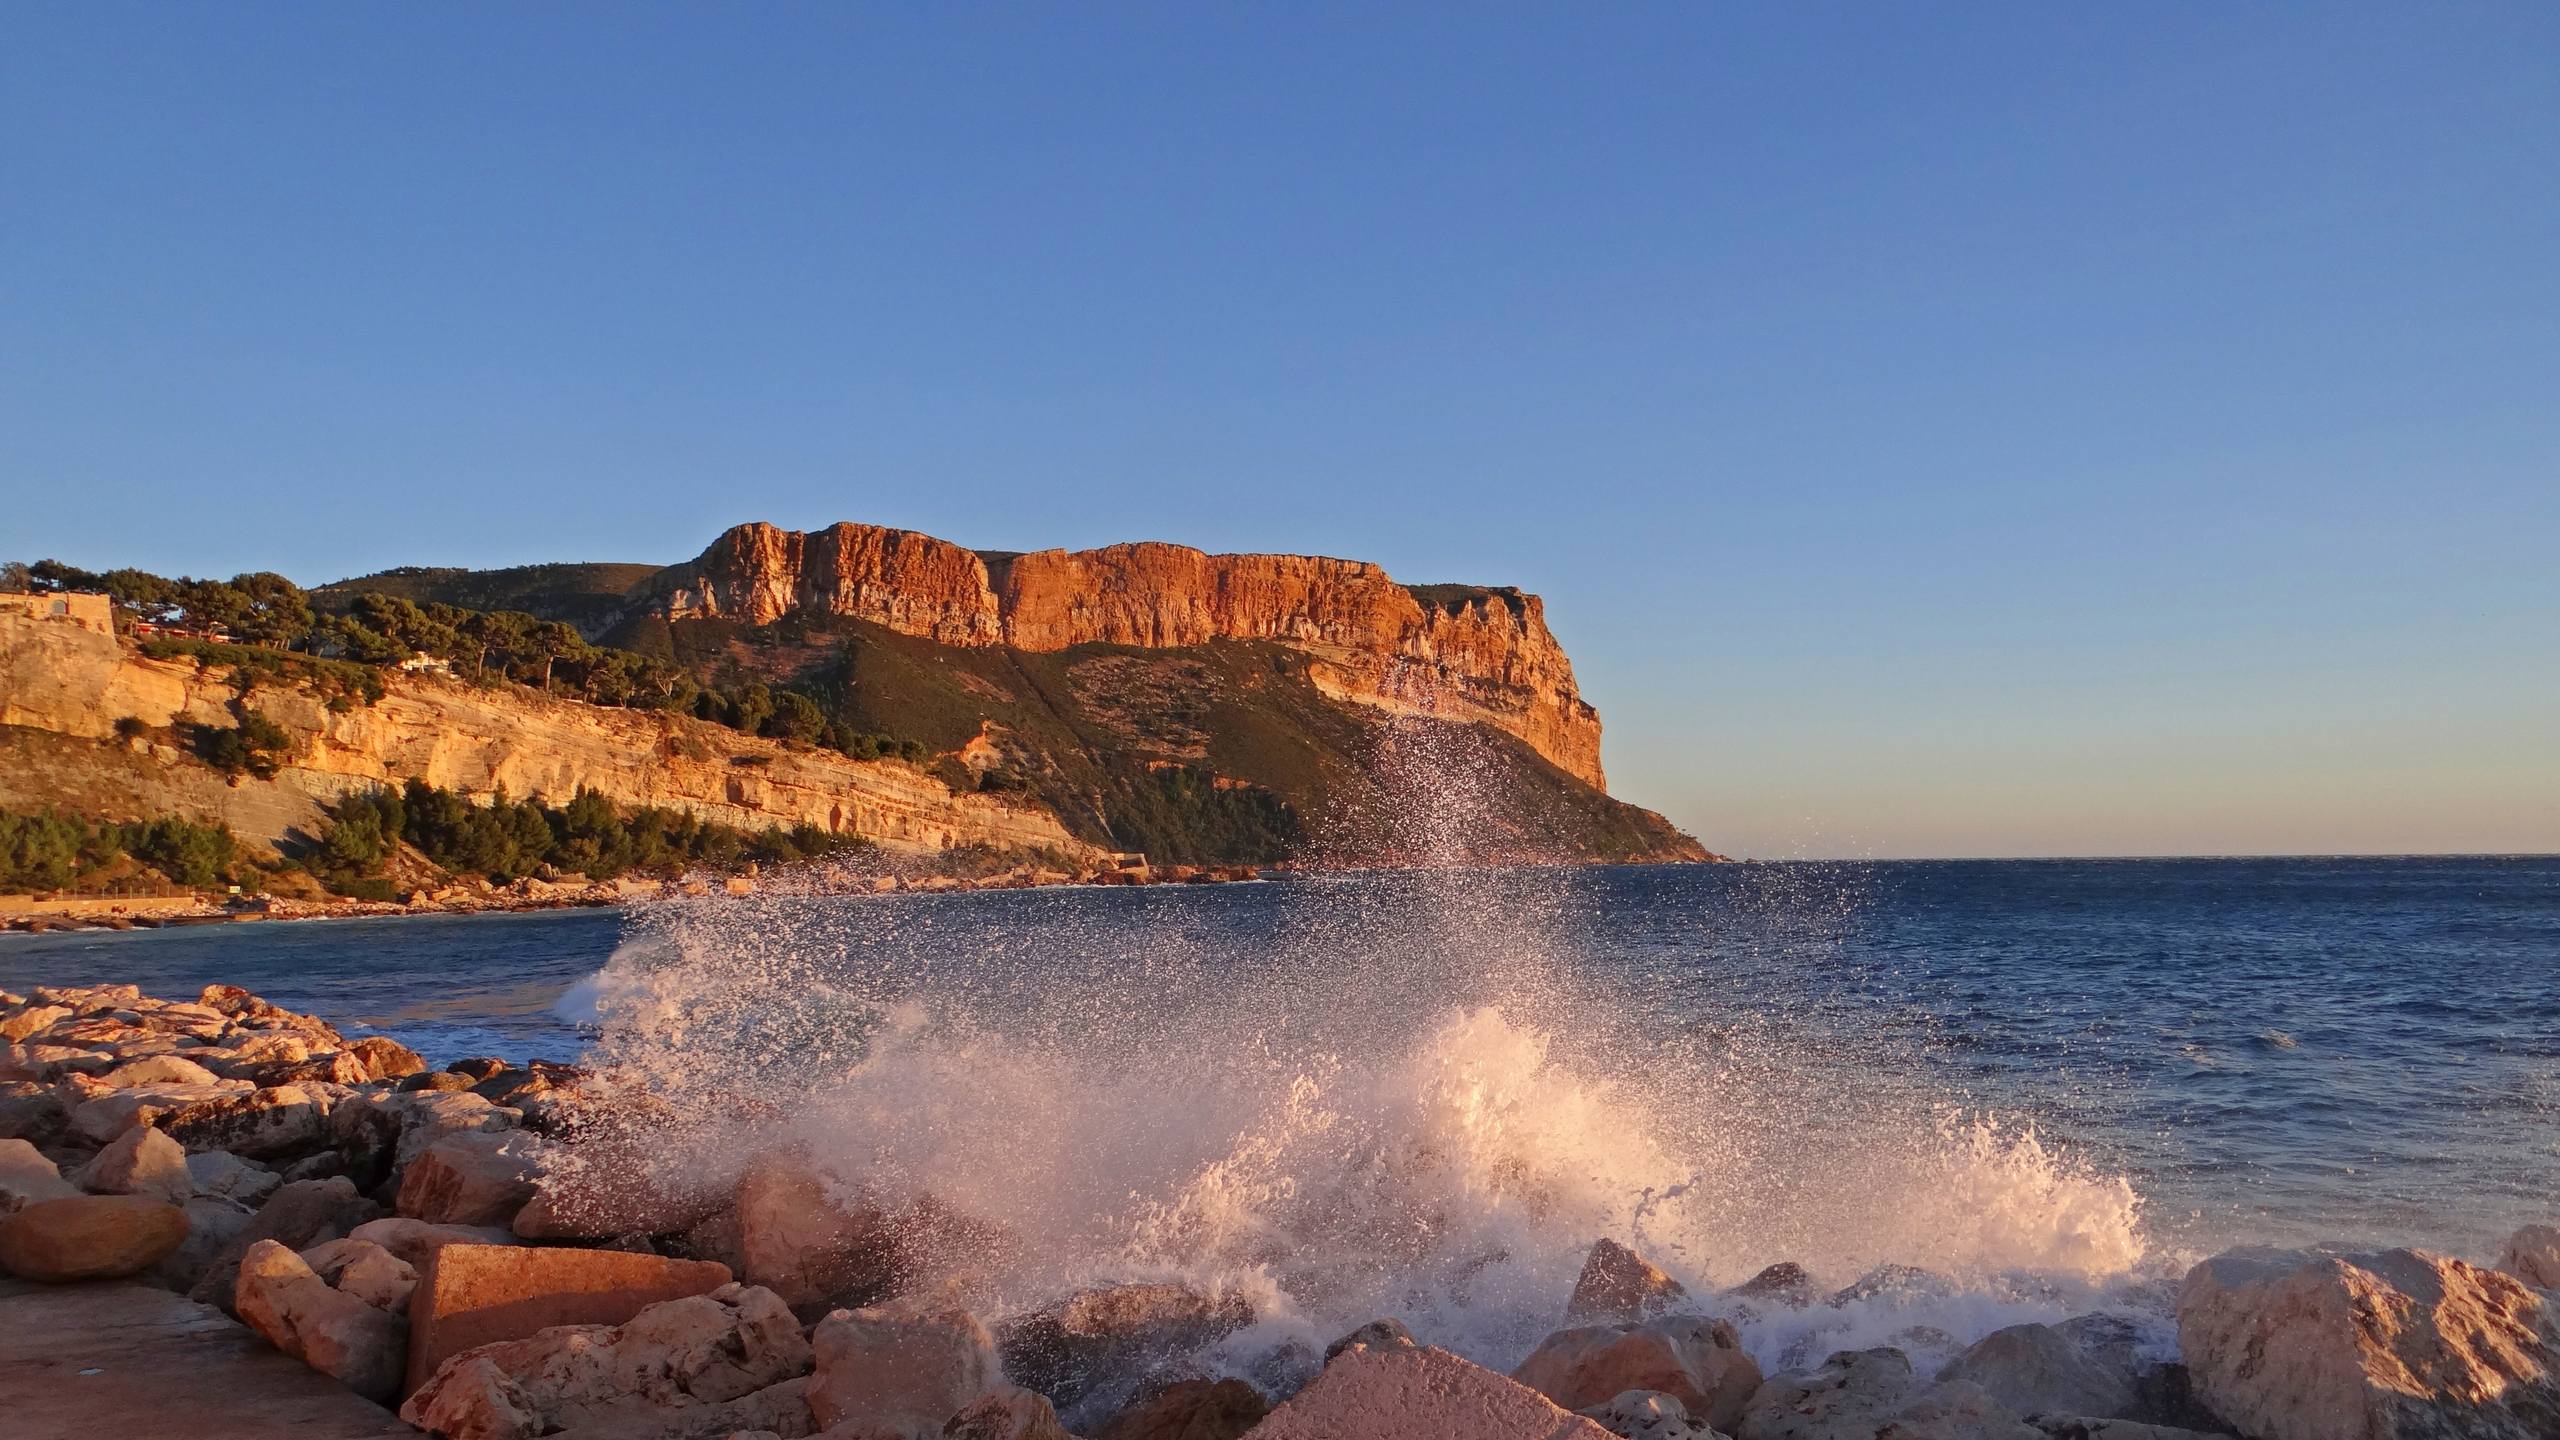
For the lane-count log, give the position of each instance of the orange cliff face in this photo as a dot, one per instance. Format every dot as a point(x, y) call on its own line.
point(1455, 652)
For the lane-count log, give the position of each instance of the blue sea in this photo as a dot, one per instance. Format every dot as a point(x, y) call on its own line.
point(2085, 1069)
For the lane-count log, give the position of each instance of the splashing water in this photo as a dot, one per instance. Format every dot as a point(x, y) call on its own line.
point(1400, 1096)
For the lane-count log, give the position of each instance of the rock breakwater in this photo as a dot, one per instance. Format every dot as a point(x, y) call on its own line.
point(499, 1249)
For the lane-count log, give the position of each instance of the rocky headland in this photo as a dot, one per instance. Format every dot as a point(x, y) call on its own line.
point(486, 1249)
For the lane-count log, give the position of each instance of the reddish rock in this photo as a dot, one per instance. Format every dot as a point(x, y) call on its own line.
point(476, 1179)
point(387, 1059)
point(609, 1186)
point(1619, 1286)
point(278, 1122)
point(2325, 1345)
point(141, 1161)
point(26, 1177)
point(89, 1237)
point(1698, 1361)
point(1486, 656)
point(900, 1369)
point(680, 1368)
point(338, 1334)
point(804, 1237)
point(1381, 1393)
point(470, 1295)
point(366, 1271)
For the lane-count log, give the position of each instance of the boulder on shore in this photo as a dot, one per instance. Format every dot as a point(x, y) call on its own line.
point(899, 1369)
point(481, 1178)
point(414, 1240)
point(2532, 1255)
point(470, 1295)
point(1696, 1360)
point(1619, 1286)
point(299, 1215)
point(2036, 1370)
point(368, 1272)
point(90, 1237)
point(635, 1379)
point(2332, 1345)
point(141, 1161)
point(219, 1172)
point(26, 1177)
point(1393, 1393)
point(359, 1345)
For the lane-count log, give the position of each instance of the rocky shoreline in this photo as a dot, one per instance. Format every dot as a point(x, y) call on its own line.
point(486, 1249)
point(525, 896)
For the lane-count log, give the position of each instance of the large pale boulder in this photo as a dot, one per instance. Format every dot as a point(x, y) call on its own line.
point(99, 1119)
point(1619, 1286)
point(359, 1345)
point(470, 1179)
point(141, 1161)
point(1866, 1394)
point(2037, 1370)
point(2333, 1345)
point(900, 1369)
point(1395, 1393)
point(702, 1350)
point(32, 1020)
point(26, 1177)
point(301, 1214)
point(1696, 1360)
point(2532, 1255)
point(276, 1122)
point(90, 1237)
point(471, 1295)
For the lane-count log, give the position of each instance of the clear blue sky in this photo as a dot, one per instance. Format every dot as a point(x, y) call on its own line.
point(1937, 429)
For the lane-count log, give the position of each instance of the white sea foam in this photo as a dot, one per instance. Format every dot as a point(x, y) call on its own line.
point(1402, 1100)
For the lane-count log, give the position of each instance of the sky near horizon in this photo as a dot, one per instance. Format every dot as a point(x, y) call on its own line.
point(1937, 430)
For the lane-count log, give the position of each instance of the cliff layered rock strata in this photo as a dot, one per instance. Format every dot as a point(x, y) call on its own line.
point(1459, 653)
point(73, 682)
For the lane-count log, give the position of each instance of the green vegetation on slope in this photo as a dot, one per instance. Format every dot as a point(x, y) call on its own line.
point(508, 839)
point(46, 850)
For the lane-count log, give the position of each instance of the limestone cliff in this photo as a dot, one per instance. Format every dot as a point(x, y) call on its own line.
point(1459, 653)
point(66, 681)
